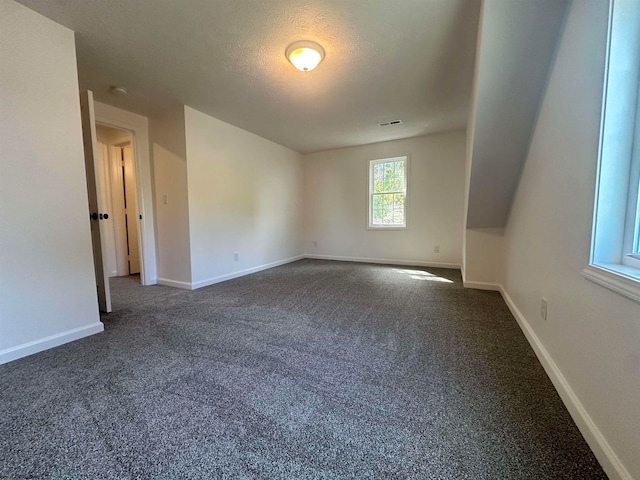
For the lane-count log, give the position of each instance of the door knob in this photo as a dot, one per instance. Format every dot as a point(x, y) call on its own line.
point(105, 216)
point(93, 216)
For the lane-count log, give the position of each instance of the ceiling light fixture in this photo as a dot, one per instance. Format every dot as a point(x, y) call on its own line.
point(115, 90)
point(305, 55)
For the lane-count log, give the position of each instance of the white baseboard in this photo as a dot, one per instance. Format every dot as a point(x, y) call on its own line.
point(384, 261)
point(259, 268)
point(610, 462)
point(482, 285)
point(51, 341)
point(242, 273)
point(174, 283)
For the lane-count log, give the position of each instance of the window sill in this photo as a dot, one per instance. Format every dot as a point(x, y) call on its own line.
point(621, 279)
point(390, 227)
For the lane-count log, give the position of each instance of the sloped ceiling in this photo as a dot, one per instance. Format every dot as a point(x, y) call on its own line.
point(516, 47)
point(385, 60)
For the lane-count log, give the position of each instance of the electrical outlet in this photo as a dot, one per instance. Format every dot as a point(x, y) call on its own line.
point(235, 256)
point(436, 249)
point(543, 308)
point(315, 244)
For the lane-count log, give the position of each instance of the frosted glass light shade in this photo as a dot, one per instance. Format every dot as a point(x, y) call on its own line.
point(305, 55)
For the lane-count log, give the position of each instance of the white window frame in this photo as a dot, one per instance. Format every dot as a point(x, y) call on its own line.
point(631, 245)
point(370, 193)
point(615, 244)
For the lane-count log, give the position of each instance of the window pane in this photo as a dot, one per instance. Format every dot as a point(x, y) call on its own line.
point(378, 174)
point(377, 217)
point(387, 207)
point(388, 174)
point(398, 209)
point(396, 184)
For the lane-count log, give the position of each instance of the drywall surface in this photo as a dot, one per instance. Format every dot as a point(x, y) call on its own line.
point(244, 196)
point(516, 45)
point(167, 136)
point(47, 282)
point(591, 333)
point(227, 58)
point(484, 262)
point(336, 196)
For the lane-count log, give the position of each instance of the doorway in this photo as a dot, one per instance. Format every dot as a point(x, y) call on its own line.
point(131, 130)
point(120, 235)
point(138, 127)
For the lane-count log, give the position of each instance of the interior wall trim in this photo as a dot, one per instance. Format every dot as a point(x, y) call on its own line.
point(385, 261)
point(601, 448)
point(482, 285)
point(241, 273)
point(167, 282)
point(45, 343)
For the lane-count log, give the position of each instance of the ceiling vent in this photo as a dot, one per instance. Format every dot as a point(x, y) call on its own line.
point(392, 122)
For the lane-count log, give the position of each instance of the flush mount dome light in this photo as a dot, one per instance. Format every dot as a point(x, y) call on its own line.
point(116, 90)
point(305, 55)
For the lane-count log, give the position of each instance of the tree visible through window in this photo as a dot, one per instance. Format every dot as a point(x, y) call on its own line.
point(388, 193)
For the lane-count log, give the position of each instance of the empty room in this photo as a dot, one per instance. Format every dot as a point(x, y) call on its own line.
point(320, 239)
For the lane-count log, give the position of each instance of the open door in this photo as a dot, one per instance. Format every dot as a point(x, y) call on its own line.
point(130, 210)
point(95, 211)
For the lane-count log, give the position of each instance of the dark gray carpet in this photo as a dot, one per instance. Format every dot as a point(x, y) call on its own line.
point(310, 370)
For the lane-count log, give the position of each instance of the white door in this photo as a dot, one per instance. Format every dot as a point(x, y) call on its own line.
point(107, 234)
point(131, 211)
point(95, 212)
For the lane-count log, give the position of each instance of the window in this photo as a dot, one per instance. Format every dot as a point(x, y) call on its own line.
point(388, 193)
point(615, 247)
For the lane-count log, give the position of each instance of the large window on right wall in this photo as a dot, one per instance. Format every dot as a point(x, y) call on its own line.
point(615, 247)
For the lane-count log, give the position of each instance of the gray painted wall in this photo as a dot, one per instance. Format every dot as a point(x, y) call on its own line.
point(516, 45)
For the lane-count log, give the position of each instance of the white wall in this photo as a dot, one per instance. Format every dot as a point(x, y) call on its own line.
point(167, 134)
point(112, 135)
point(47, 282)
point(592, 334)
point(507, 93)
point(484, 258)
point(244, 196)
point(335, 199)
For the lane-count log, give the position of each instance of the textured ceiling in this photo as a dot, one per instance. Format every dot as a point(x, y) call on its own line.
point(385, 60)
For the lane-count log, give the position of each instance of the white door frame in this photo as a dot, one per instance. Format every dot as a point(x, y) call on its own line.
point(138, 125)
